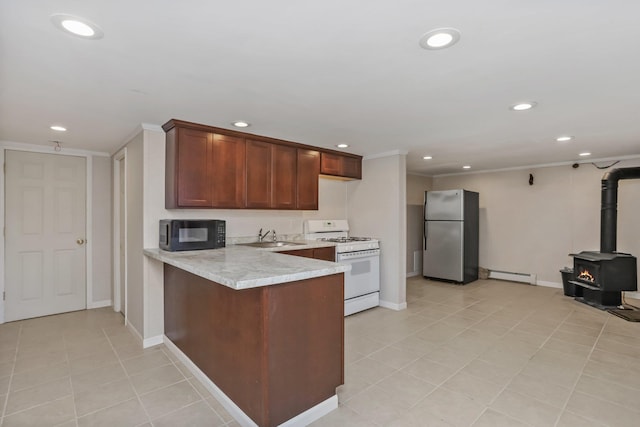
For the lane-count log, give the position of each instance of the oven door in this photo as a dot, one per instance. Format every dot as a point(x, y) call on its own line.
point(364, 277)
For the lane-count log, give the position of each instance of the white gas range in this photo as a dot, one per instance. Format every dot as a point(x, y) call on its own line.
point(362, 283)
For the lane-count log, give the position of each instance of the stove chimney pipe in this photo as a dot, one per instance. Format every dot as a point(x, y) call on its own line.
point(609, 207)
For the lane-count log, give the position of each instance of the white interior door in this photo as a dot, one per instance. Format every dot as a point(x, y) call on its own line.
point(45, 220)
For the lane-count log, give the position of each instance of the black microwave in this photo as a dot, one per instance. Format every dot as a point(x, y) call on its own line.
point(192, 234)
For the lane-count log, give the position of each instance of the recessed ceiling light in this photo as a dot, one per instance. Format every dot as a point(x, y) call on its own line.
point(439, 38)
point(342, 145)
point(585, 154)
point(523, 106)
point(466, 167)
point(77, 26)
point(58, 128)
point(241, 124)
point(427, 157)
point(564, 138)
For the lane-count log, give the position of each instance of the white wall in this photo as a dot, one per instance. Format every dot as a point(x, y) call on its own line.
point(532, 228)
point(416, 186)
point(135, 191)
point(102, 262)
point(377, 208)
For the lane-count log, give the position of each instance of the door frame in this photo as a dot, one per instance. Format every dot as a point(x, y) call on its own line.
point(119, 162)
point(88, 155)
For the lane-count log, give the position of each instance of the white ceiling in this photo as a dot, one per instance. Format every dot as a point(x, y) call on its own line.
point(327, 72)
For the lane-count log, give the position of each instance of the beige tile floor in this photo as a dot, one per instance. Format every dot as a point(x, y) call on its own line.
point(86, 369)
point(486, 354)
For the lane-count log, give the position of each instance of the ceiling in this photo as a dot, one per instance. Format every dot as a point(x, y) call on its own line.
point(329, 72)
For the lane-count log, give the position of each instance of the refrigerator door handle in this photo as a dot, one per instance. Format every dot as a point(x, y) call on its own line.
point(424, 230)
point(424, 235)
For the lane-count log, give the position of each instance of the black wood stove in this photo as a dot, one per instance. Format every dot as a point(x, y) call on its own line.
point(604, 275)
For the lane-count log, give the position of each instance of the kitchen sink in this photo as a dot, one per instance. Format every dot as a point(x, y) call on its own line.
point(270, 244)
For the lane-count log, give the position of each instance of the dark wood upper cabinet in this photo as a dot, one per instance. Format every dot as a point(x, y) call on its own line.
point(208, 167)
point(284, 176)
point(188, 180)
point(308, 174)
point(259, 170)
point(228, 171)
point(345, 166)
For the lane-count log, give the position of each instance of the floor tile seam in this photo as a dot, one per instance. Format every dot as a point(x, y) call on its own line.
point(369, 386)
point(109, 406)
point(628, 388)
point(635, 348)
point(39, 405)
point(437, 386)
point(617, 405)
point(487, 408)
point(137, 396)
point(363, 415)
point(521, 370)
point(73, 394)
point(146, 370)
point(186, 406)
point(625, 365)
point(13, 371)
point(583, 416)
point(584, 364)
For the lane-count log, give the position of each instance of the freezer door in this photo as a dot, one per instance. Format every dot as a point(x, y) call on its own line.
point(444, 205)
point(443, 252)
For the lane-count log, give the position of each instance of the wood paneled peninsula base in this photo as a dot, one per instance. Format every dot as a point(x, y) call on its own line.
point(275, 351)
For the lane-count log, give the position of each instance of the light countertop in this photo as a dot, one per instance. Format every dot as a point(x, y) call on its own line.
point(243, 267)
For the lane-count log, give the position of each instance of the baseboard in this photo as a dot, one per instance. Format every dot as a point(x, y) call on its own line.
point(150, 342)
point(313, 414)
point(100, 304)
point(413, 274)
point(513, 277)
point(393, 305)
point(227, 403)
point(303, 419)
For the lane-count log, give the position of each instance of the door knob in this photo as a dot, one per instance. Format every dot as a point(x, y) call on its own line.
point(80, 241)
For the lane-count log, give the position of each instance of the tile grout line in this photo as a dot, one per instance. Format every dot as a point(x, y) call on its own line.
point(73, 393)
point(13, 369)
point(126, 373)
point(523, 368)
point(573, 389)
point(488, 405)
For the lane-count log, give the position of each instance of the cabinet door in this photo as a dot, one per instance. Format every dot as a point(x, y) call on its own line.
point(352, 167)
point(194, 168)
point(331, 164)
point(228, 177)
point(284, 177)
point(308, 174)
point(259, 168)
point(327, 254)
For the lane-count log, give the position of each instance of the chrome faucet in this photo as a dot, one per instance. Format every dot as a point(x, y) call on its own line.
point(262, 236)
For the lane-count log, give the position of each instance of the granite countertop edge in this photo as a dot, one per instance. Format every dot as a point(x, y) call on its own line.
point(244, 267)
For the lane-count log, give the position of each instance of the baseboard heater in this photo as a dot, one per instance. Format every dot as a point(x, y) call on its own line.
point(513, 277)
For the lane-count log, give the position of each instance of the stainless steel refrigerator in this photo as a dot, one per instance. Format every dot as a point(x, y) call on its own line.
point(451, 222)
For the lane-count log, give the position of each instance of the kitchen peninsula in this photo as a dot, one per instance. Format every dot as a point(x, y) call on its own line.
point(267, 329)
